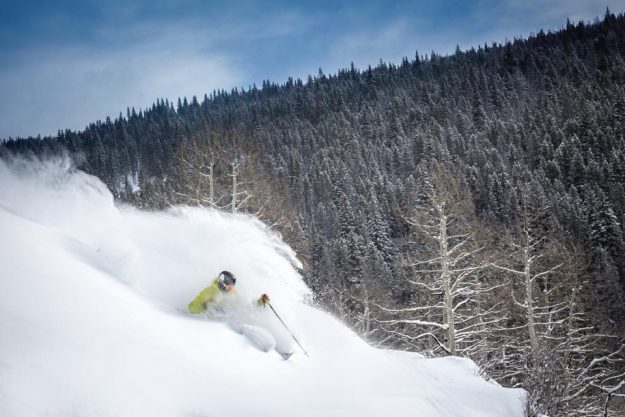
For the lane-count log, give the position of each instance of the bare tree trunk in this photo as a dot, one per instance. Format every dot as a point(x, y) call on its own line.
point(366, 315)
point(235, 173)
point(448, 314)
point(531, 326)
point(211, 181)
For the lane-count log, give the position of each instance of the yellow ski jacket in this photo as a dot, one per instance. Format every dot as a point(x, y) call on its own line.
point(207, 295)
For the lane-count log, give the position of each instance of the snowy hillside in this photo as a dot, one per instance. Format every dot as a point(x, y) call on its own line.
point(92, 324)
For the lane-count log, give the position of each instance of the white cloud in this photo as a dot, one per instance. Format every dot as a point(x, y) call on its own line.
point(73, 86)
point(370, 46)
point(489, 21)
point(555, 9)
point(70, 87)
point(509, 19)
point(47, 88)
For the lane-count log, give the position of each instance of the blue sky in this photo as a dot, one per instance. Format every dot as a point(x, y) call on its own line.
point(64, 64)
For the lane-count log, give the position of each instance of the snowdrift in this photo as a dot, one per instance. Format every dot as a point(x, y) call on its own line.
point(92, 322)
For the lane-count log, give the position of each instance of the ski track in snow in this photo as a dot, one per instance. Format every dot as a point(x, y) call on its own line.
point(92, 324)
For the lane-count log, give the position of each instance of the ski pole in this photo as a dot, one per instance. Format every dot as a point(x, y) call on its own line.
point(287, 329)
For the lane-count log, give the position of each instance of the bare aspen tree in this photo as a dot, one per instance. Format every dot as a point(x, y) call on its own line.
point(250, 191)
point(225, 177)
point(554, 345)
point(248, 188)
point(365, 318)
point(235, 193)
point(592, 375)
point(538, 323)
point(193, 177)
point(528, 252)
point(593, 362)
point(449, 277)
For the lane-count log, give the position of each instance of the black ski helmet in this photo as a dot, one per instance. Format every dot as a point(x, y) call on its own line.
point(225, 278)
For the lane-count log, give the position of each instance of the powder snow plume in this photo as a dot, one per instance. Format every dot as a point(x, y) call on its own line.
point(93, 318)
point(167, 255)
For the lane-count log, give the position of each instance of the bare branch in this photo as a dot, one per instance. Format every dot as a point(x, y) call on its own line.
point(545, 272)
point(513, 271)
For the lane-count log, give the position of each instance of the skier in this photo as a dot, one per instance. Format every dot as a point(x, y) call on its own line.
point(220, 287)
point(258, 328)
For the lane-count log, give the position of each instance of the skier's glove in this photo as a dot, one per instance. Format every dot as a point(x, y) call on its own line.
point(263, 300)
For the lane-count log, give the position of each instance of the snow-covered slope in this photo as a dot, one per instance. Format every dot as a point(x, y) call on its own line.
point(91, 321)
